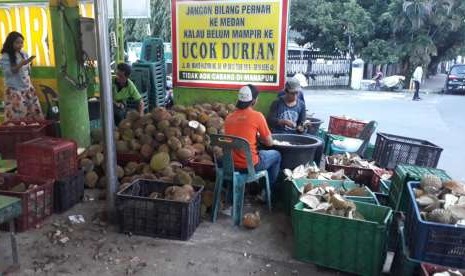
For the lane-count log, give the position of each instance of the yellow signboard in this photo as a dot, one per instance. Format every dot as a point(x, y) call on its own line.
point(33, 22)
point(226, 44)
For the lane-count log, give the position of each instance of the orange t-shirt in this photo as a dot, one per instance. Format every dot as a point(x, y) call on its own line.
point(246, 123)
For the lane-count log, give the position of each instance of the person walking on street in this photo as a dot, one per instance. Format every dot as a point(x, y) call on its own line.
point(246, 123)
point(417, 77)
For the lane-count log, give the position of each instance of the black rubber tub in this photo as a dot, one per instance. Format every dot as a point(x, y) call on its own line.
point(303, 149)
point(315, 124)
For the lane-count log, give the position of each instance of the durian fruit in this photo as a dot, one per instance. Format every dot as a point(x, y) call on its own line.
point(146, 151)
point(177, 193)
point(164, 148)
point(127, 135)
point(182, 177)
point(130, 168)
point(97, 159)
point(168, 171)
point(160, 137)
point(179, 108)
point(174, 143)
point(86, 164)
point(189, 188)
point(134, 145)
point(159, 161)
point(199, 181)
point(431, 183)
point(146, 139)
point(184, 154)
point(185, 140)
point(150, 129)
point(251, 220)
point(102, 183)
point(138, 132)
point(133, 115)
point(162, 125)
point(91, 179)
point(207, 198)
point(119, 172)
point(125, 124)
point(146, 169)
point(93, 150)
point(212, 130)
point(172, 132)
point(96, 135)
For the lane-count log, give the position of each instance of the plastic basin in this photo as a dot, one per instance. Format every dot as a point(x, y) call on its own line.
point(315, 124)
point(302, 150)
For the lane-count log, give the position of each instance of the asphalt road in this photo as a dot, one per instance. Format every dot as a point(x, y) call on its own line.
point(437, 118)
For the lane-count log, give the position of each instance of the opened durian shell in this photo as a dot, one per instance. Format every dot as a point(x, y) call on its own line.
point(458, 211)
point(431, 184)
point(455, 187)
point(358, 191)
point(310, 200)
point(428, 202)
point(440, 216)
point(339, 202)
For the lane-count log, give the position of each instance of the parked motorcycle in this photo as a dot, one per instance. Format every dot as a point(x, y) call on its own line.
point(392, 83)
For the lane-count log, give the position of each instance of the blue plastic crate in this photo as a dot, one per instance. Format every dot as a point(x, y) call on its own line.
point(437, 243)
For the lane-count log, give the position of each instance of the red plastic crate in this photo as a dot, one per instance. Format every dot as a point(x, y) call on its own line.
point(36, 204)
point(202, 169)
point(345, 127)
point(363, 176)
point(376, 180)
point(48, 157)
point(14, 132)
point(123, 158)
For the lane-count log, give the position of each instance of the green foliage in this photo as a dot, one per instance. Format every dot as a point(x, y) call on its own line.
point(379, 51)
point(384, 31)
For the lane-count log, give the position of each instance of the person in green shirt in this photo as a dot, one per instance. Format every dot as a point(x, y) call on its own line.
point(124, 90)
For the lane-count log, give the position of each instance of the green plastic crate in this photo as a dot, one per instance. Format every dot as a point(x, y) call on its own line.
point(346, 184)
point(385, 186)
point(10, 208)
point(354, 246)
point(398, 194)
point(289, 196)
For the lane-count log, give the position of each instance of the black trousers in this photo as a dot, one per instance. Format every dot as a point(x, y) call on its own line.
point(417, 89)
point(119, 114)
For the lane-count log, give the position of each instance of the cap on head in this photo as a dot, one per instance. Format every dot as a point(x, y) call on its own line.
point(247, 94)
point(292, 84)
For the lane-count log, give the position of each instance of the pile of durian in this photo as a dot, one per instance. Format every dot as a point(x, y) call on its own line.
point(162, 142)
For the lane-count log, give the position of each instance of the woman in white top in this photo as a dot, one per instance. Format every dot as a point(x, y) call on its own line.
point(21, 102)
point(417, 77)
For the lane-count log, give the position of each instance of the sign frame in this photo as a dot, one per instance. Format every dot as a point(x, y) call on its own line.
point(281, 70)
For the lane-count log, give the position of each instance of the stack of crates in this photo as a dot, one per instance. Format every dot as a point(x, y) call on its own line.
point(150, 73)
point(53, 158)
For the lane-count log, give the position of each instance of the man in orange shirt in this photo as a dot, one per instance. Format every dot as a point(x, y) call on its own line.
point(247, 123)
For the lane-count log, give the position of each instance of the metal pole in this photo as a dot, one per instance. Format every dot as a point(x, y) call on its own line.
point(106, 102)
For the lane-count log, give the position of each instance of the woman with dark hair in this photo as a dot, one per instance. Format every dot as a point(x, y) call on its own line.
point(21, 101)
